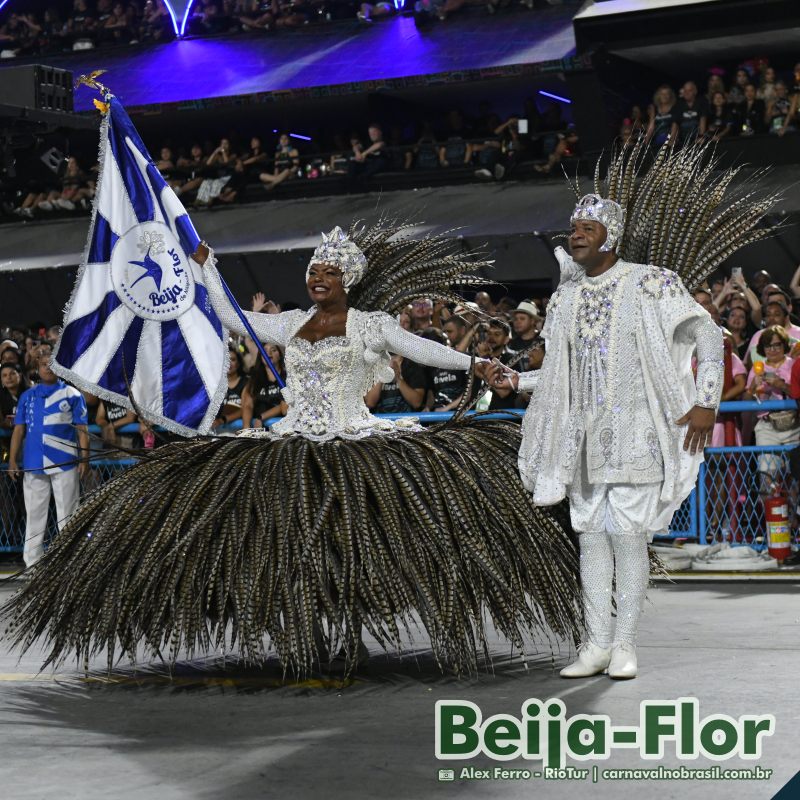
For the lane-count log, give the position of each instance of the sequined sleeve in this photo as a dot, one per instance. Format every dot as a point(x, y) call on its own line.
point(528, 380)
point(685, 322)
point(272, 328)
point(710, 363)
point(423, 351)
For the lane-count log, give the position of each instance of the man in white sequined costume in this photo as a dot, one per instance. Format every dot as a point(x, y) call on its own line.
point(617, 421)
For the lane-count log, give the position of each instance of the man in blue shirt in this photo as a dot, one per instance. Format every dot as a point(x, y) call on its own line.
point(51, 420)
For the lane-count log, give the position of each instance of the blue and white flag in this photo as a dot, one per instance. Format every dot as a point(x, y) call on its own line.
point(139, 321)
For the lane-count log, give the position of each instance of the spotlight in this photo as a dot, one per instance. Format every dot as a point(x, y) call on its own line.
point(555, 97)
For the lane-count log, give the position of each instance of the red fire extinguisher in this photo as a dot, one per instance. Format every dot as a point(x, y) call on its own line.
point(776, 510)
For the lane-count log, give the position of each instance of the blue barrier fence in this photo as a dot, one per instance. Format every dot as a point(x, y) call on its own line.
point(726, 504)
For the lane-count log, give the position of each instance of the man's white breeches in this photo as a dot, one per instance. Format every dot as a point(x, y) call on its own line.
point(36, 490)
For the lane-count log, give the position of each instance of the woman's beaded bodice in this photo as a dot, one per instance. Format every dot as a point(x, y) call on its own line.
point(326, 380)
point(325, 385)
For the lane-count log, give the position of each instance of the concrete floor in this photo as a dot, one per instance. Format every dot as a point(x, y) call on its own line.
point(212, 734)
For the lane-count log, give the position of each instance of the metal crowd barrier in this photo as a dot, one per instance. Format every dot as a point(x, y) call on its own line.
point(726, 504)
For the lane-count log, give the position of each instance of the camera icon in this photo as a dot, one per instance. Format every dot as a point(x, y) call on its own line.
point(447, 774)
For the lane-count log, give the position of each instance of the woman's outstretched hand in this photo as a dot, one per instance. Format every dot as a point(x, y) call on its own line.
point(201, 254)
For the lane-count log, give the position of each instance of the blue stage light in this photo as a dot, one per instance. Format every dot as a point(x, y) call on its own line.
point(172, 16)
point(186, 16)
point(295, 135)
point(555, 97)
point(186, 6)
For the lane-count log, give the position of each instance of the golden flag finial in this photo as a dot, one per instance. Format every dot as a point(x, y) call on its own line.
point(91, 81)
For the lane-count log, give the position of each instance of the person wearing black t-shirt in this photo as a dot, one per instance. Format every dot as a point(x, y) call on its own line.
point(262, 398)
point(446, 386)
point(660, 115)
point(690, 114)
point(111, 417)
point(753, 112)
point(405, 393)
point(722, 118)
point(498, 335)
point(525, 323)
point(232, 404)
point(366, 163)
point(458, 333)
point(12, 385)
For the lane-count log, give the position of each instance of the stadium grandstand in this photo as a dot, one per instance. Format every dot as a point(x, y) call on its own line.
point(476, 106)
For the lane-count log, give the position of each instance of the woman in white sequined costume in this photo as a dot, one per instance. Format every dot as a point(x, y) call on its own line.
point(332, 362)
point(333, 521)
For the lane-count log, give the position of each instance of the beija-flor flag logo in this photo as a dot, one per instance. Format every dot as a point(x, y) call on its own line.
point(139, 321)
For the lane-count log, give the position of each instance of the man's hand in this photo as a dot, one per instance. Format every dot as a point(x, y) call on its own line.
point(701, 424)
point(501, 376)
point(13, 469)
point(484, 370)
point(83, 469)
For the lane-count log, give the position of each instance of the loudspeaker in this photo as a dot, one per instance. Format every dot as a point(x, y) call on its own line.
point(37, 86)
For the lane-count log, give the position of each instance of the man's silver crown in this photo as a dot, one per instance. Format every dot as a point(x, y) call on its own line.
point(607, 212)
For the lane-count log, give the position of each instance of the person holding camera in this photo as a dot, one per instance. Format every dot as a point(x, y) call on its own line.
point(222, 162)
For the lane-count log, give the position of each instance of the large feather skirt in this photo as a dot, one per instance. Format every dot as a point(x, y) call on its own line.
point(288, 547)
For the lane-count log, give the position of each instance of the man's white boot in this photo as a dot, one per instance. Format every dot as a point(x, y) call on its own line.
point(591, 661)
point(623, 661)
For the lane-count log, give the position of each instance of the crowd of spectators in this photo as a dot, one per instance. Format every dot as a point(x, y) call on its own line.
point(758, 319)
point(762, 362)
point(504, 330)
point(756, 99)
point(89, 24)
point(483, 147)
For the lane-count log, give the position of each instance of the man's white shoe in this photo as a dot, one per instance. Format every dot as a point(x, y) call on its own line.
point(623, 661)
point(591, 661)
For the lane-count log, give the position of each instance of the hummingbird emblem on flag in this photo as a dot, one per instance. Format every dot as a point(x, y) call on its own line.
point(151, 270)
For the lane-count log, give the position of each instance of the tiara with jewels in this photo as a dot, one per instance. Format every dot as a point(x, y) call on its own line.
point(338, 249)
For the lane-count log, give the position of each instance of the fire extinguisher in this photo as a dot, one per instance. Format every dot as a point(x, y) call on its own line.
point(776, 510)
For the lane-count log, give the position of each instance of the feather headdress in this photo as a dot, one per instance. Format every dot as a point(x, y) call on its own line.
point(400, 268)
point(681, 210)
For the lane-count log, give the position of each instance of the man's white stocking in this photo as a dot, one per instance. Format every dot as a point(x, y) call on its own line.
point(597, 572)
point(633, 575)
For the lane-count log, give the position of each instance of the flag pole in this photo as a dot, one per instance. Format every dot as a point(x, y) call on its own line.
point(250, 332)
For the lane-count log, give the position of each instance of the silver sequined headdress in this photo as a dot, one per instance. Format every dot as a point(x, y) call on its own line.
point(608, 213)
point(339, 249)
